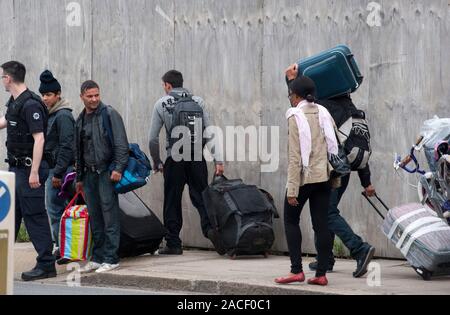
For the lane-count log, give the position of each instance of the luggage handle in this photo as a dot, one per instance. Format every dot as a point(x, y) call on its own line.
point(374, 206)
point(271, 202)
point(217, 178)
point(74, 199)
point(351, 57)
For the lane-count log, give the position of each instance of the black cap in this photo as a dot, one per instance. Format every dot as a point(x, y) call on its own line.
point(49, 83)
point(304, 87)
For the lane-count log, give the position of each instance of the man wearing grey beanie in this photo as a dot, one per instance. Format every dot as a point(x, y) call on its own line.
point(58, 149)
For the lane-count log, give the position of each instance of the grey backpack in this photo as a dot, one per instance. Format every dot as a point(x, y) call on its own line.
point(186, 112)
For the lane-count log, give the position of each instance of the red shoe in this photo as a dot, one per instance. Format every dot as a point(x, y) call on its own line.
point(297, 278)
point(323, 281)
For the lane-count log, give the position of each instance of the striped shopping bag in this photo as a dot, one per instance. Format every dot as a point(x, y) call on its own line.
point(75, 237)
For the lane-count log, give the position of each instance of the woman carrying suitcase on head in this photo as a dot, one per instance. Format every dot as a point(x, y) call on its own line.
point(312, 138)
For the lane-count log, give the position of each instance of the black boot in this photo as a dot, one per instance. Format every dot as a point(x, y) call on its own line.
point(63, 261)
point(363, 261)
point(171, 251)
point(38, 274)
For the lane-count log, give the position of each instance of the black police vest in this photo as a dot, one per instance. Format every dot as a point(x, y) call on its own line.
point(20, 141)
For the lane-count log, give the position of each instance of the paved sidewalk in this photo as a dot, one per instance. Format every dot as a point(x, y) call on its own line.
point(208, 273)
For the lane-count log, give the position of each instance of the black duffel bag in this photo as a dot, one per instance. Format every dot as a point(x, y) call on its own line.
point(141, 231)
point(243, 216)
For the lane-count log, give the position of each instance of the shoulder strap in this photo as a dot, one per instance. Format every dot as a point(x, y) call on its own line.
point(25, 97)
point(183, 97)
point(37, 98)
point(107, 124)
point(21, 100)
point(176, 96)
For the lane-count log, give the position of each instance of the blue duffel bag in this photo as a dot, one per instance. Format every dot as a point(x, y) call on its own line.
point(138, 171)
point(334, 71)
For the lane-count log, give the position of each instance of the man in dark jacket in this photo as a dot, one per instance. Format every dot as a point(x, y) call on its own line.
point(26, 123)
point(342, 108)
point(100, 165)
point(58, 149)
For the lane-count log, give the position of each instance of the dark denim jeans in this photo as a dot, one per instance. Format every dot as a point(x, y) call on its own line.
point(103, 207)
point(339, 226)
point(55, 206)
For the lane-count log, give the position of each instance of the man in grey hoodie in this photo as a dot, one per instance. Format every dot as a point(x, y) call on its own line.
point(58, 148)
point(178, 173)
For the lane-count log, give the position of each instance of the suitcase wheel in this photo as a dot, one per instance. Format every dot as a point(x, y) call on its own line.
point(424, 273)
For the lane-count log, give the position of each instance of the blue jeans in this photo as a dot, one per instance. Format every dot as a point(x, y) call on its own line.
point(103, 207)
point(339, 226)
point(55, 207)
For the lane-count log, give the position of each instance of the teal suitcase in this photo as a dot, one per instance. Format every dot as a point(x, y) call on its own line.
point(334, 71)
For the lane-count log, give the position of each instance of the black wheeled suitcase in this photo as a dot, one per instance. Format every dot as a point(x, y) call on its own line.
point(141, 231)
point(422, 237)
point(243, 216)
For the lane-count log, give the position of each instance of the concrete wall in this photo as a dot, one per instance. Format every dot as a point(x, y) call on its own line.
point(233, 53)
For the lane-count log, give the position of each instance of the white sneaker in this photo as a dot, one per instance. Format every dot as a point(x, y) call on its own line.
point(90, 267)
point(107, 268)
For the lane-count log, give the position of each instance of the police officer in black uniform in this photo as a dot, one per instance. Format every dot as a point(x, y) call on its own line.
point(26, 123)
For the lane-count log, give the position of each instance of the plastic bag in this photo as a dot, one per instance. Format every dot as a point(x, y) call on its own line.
point(435, 130)
point(75, 236)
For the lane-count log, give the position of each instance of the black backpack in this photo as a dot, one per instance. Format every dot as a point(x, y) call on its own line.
point(355, 136)
point(353, 130)
point(186, 112)
point(243, 215)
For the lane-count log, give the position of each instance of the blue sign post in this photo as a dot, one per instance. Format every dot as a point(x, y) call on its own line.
point(7, 233)
point(5, 201)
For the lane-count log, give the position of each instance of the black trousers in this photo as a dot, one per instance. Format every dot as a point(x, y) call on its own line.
point(319, 198)
point(30, 206)
point(176, 176)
